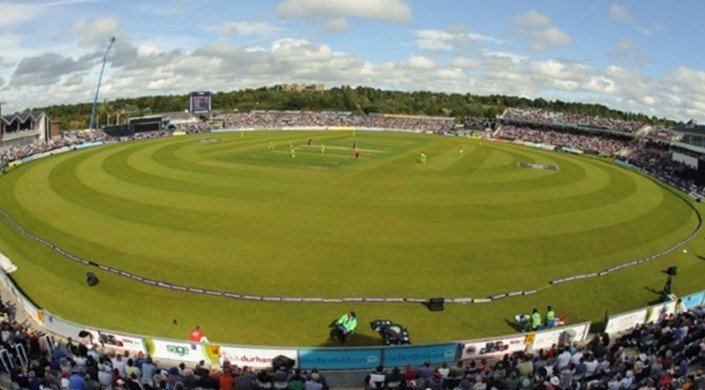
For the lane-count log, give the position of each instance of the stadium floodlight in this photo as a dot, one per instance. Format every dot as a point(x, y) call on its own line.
point(100, 78)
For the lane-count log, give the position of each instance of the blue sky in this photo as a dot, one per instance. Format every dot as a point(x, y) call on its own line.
point(637, 55)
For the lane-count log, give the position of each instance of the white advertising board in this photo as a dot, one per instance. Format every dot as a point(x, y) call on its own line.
point(493, 348)
point(660, 311)
point(546, 338)
point(115, 341)
point(254, 357)
point(621, 322)
point(182, 351)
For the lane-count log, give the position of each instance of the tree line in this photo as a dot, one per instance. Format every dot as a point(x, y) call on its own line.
point(359, 100)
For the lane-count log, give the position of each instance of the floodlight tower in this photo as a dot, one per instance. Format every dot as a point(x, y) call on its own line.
point(100, 78)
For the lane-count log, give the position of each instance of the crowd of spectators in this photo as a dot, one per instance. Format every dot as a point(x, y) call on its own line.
point(657, 162)
point(479, 123)
point(78, 366)
point(585, 142)
point(260, 119)
point(70, 139)
point(67, 139)
point(659, 355)
point(659, 133)
point(654, 159)
point(253, 119)
point(36, 362)
point(569, 119)
point(665, 354)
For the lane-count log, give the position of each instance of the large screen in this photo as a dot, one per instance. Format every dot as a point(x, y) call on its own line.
point(200, 102)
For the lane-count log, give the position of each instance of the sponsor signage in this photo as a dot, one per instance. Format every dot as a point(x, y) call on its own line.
point(560, 336)
point(416, 355)
point(339, 359)
point(658, 312)
point(492, 348)
point(175, 350)
point(254, 357)
point(693, 300)
point(115, 341)
point(60, 326)
point(621, 322)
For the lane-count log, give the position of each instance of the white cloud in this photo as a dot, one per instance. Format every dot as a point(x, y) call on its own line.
point(147, 50)
point(337, 25)
point(421, 62)
point(254, 49)
point(16, 13)
point(687, 79)
point(173, 7)
point(434, 39)
point(37, 78)
point(464, 63)
point(381, 10)
point(601, 84)
point(512, 57)
point(626, 44)
point(619, 13)
point(296, 50)
point(533, 19)
point(245, 28)
point(542, 41)
point(651, 29)
point(48, 69)
point(96, 33)
point(644, 31)
point(628, 52)
point(12, 49)
point(540, 32)
point(457, 37)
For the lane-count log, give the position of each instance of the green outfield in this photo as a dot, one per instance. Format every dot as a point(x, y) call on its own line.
point(238, 212)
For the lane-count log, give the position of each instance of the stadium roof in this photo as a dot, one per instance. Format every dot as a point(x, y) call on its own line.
point(22, 117)
point(690, 128)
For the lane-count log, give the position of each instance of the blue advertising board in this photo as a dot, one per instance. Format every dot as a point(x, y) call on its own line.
point(693, 300)
point(416, 355)
point(339, 359)
point(88, 145)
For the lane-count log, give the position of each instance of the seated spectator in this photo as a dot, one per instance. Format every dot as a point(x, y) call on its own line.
point(376, 378)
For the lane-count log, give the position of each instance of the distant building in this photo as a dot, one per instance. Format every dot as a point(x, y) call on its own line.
point(24, 128)
point(688, 146)
point(300, 87)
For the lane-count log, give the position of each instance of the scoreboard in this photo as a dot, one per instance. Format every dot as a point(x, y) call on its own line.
point(200, 102)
